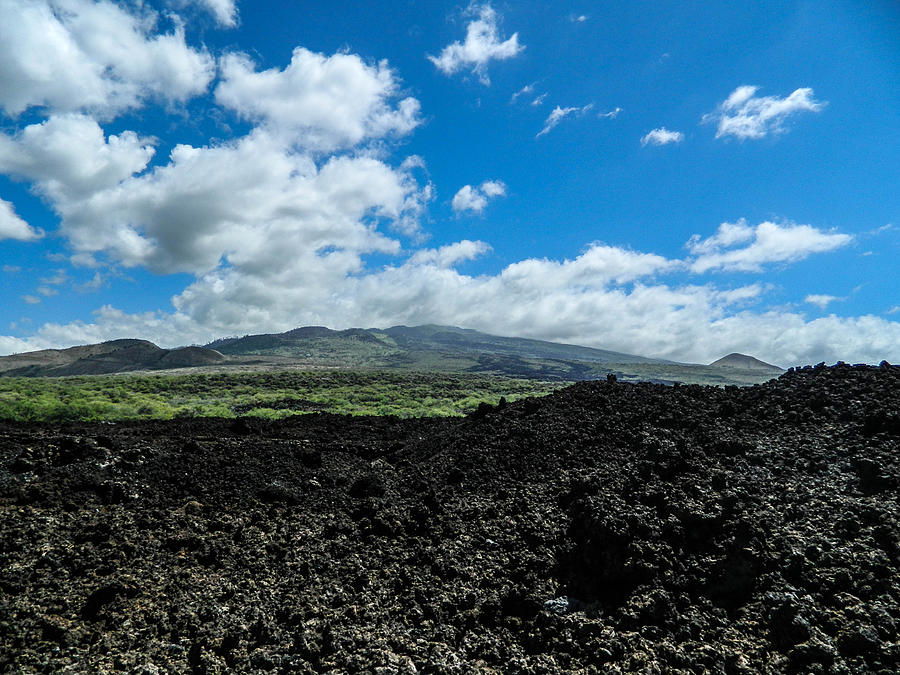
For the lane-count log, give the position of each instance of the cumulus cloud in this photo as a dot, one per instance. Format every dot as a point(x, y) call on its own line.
point(745, 115)
point(475, 199)
point(98, 57)
point(741, 247)
point(482, 45)
point(662, 136)
point(248, 203)
point(821, 300)
point(13, 227)
point(320, 102)
point(69, 157)
point(606, 297)
point(559, 114)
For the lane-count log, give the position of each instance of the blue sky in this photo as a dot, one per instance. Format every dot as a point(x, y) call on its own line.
point(673, 179)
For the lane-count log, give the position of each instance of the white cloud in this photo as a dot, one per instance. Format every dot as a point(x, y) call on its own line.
point(224, 10)
point(581, 18)
point(539, 100)
point(320, 102)
point(448, 256)
point(493, 188)
point(12, 345)
point(11, 269)
point(821, 300)
point(612, 114)
point(59, 277)
point(31, 299)
point(607, 297)
point(745, 115)
point(68, 156)
point(475, 199)
point(524, 91)
point(99, 57)
point(482, 45)
point(766, 243)
point(249, 203)
point(559, 114)
point(662, 136)
point(13, 227)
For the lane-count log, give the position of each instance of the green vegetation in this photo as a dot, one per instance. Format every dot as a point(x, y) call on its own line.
point(270, 395)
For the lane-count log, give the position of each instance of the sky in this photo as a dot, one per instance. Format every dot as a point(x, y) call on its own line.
point(672, 179)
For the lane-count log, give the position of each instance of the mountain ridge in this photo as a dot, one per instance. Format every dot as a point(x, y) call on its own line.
point(427, 348)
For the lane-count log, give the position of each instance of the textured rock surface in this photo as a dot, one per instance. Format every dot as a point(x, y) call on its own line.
point(607, 528)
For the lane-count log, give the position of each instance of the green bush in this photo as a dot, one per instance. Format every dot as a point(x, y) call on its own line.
point(125, 397)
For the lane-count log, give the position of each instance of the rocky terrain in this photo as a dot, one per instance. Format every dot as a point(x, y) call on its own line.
point(609, 527)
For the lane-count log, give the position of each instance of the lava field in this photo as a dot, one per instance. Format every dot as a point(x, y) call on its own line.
point(608, 527)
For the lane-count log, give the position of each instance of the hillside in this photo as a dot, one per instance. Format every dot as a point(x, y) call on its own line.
point(115, 356)
point(430, 347)
point(447, 349)
point(608, 527)
point(426, 349)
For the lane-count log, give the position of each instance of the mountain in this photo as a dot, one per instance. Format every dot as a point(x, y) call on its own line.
point(429, 349)
point(115, 356)
point(735, 360)
point(411, 342)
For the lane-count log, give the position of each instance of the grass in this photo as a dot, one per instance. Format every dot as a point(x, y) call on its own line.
point(271, 395)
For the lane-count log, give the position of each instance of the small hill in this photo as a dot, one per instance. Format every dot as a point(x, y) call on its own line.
point(735, 360)
point(115, 356)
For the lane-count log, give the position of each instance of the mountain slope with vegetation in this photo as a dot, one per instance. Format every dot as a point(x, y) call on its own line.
point(400, 349)
point(115, 356)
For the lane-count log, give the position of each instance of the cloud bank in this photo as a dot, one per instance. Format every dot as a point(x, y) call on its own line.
point(607, 297)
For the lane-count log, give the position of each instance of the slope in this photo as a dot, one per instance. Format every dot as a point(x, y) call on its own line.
point(115, 356)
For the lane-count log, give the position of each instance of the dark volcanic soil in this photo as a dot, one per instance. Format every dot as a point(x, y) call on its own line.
point(607, 528)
